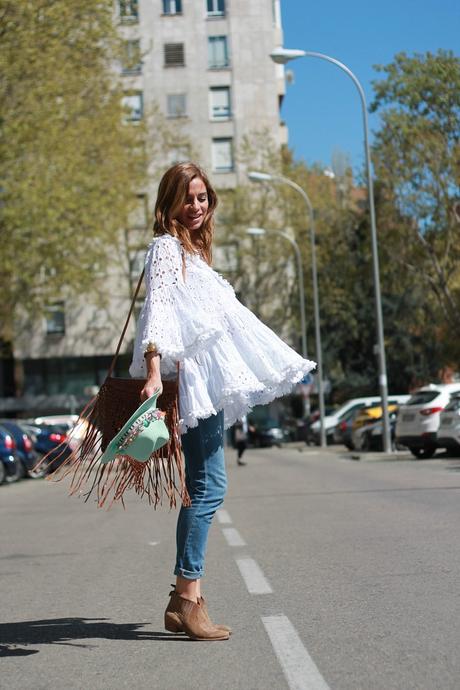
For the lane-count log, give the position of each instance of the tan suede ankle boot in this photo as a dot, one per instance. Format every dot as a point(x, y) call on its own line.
point(184, 615)
point(218, 625)
point(174, 618)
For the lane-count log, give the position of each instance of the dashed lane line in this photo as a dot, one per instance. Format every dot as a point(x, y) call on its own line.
point(253, 576)
point(299, 668)
point(223, 517)
point(233, 537)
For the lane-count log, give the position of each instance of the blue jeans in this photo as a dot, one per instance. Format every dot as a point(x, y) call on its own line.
point(206, 480)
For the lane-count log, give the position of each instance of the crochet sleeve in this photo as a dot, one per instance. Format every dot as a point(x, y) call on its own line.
point(171, 318)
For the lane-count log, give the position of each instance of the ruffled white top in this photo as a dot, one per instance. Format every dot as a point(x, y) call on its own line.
point(229, 360)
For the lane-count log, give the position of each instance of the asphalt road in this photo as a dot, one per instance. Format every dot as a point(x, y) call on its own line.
point(333, 574)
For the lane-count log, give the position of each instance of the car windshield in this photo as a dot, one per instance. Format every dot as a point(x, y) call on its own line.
point(269, 424)
point(454, 405)
point(54, 428)
point(422, 397)
point(348, 414)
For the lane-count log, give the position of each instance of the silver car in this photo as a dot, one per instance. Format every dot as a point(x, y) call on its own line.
point(448, 434)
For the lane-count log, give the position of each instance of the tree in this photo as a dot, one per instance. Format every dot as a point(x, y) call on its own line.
point(417, 163)
point(266, 279)
point(71, 163)
point(266, 274)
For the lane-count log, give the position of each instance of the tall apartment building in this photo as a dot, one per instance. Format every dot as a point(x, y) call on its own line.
point(206, 65)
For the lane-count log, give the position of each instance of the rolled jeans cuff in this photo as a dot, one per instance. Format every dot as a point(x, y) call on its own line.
point(188, 574)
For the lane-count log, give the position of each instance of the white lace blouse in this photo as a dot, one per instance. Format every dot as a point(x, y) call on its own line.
point(229, 360)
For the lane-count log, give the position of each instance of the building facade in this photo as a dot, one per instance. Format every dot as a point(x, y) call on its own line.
point(205, 65)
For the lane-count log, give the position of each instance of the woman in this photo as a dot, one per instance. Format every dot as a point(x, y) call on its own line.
point(229, 362)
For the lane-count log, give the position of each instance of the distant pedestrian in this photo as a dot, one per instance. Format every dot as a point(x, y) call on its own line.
point(229, 362)
point(241, 438)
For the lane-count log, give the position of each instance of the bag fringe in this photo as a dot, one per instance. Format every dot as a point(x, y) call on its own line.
point(162, 474)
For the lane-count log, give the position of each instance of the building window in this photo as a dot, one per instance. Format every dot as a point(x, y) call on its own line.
point(222, 155)
point(55, 319)
point(176, 105)
point(129, 10)
point(134, 106)
point(217, 52)
point(219, 103)
point(132, 63)
point(174, 55)
point(172, 6)
point(216, 8)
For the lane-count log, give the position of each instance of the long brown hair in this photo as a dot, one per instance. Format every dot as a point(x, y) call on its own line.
point(172, 192)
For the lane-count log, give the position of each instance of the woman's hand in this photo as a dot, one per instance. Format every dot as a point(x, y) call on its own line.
point(152, 386)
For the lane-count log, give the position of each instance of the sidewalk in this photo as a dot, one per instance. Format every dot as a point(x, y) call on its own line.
point(351, 455)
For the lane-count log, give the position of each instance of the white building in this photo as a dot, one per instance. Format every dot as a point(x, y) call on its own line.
point(206, 65)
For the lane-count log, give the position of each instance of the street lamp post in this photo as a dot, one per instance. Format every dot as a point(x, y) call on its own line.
point(267, 177)
point(260, 232)
point(282, 56)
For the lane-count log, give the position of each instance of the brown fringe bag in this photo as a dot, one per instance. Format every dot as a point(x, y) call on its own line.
point(101, 420)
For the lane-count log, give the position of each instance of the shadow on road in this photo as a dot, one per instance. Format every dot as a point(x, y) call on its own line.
point(65, 630)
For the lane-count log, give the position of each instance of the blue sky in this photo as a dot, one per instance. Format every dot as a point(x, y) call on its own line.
point(322, 108)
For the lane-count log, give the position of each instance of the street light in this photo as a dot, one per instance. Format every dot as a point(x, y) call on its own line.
point(267, 177)
point(260, 232)
point(281, 56)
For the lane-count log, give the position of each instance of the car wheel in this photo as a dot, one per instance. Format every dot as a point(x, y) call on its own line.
point(365, 443)
point(10, 478)
point(423, 453)
point(39, 472)
point(2, 472)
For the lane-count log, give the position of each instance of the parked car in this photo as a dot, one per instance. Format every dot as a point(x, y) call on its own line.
point(50, 440)
point(63, 420)
point(313, 425)
point(366, 417)
point(342, 432)
point(10, 465)
point(418, 420)
point(370, 436)
point(331, 421)
point(448, 434)
point(28, 456)
point(266, 433)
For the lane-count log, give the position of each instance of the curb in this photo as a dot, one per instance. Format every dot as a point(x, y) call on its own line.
point(379, 457)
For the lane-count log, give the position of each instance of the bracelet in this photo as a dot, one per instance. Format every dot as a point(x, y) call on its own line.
point(151, 347)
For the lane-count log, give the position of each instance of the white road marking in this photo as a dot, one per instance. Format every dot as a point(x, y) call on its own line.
point(223, 517)
point(153, 543)
point(299, 668)
point(253, 576)
point(233, 537)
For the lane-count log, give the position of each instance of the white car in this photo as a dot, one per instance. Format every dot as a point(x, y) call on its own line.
point(332, 420)
point(448, 434)
point(418, 421)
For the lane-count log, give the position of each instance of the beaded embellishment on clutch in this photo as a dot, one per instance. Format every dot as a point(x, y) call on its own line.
point(142, 422)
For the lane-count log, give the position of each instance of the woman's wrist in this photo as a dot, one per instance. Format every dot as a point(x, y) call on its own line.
point(152, 362)
point(151, 348)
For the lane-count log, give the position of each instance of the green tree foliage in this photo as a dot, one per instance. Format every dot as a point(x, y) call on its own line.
point(417, 163)
point(266, 279)
point(70, 162)
point(266, 272)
